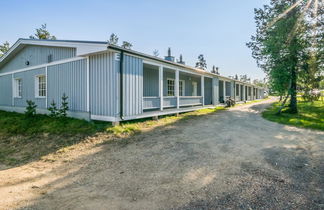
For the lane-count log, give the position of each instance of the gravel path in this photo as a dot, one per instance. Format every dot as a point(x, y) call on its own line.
point(229, 159)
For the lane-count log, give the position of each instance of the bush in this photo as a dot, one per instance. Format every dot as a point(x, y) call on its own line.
point(30, 109)
point(54, 112)
point(62, 112)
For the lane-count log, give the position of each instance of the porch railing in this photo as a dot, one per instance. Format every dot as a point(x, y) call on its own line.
point(171, 101)
point(191, 100)
point(151, 102)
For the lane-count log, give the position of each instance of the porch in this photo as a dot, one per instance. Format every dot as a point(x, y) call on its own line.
point(166, 88)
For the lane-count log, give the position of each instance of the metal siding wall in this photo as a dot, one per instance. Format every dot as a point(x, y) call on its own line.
point(104, 85)
point(228, 88)
point(71, 79)
point(133, 86)
point(28, 88)
point(208, 91)
point(37, 55)
point(6, 90)
point(150, 82)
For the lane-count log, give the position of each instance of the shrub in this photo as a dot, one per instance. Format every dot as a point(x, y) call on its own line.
point(30, 109)
point(54, 112)
point(64, 107)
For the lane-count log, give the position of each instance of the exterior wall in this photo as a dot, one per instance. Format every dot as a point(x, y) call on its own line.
point(71, 79)
point(28, 88)
point(104, 85)
point(6, 90)
point(150, 82)
point(228, 88)
point(208, 91)
point(37, 55)
point(133, 86)
point(188, 84)
point(215, 91)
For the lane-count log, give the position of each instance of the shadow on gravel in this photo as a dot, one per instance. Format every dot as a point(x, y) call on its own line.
point(154, 167)
point(292, 180)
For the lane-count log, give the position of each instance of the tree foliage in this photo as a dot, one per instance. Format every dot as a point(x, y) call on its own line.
point(42, 33)
point(201, 63)
point(113, 39)
point(127, 45)
point(280, 45)
point(4, 48)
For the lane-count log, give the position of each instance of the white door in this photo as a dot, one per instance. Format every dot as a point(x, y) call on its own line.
point(194, 88)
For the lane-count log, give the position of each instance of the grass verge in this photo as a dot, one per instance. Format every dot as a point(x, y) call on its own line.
point(23, 140)
point(310, 115)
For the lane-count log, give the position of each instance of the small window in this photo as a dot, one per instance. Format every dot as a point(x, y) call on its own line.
point(170, 85)
point(18, 88)
point(181, 87)
point(49, 58)
point(40, 86)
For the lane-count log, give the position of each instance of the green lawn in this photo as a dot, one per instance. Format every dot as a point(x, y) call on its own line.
point(310, 115)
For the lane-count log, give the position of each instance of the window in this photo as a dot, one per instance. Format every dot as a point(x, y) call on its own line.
point(18, 88)
point(237, 90)
point(40, 86)
point(181, 87)
point(170, 85)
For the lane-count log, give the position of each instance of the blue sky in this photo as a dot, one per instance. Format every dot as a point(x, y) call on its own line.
point(218, 29)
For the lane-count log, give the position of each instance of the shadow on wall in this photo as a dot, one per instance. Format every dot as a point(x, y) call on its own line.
point(165, 168)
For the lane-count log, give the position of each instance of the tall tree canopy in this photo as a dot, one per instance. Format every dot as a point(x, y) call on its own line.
point(127, 45)
point(201, 63)
point(42, 33)
point(113, 39)
point(4, 48)
point(281, 44)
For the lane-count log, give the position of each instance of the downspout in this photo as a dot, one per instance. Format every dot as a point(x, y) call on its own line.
point(121, 81)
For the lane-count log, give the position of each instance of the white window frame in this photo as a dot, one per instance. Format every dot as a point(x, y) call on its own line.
point(17, 88)
point(37, 86)
point(169, 88)
point(182, 88)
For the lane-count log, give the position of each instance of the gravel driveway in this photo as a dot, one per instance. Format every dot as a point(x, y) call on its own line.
point(229, 159)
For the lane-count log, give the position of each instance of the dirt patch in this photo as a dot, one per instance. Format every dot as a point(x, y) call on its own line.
point(229, 159)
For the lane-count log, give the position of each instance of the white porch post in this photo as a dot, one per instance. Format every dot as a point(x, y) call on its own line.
point(177, 88)
point(161, 86)
point(203, 89)
point(244, 99)
point(224, 90)
point(215, 91)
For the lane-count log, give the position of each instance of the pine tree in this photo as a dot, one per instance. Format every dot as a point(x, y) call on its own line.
point(42, 33)
point(4, 48)
point(201, 64)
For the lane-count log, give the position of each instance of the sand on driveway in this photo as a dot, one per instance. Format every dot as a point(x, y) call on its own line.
point(228, 159)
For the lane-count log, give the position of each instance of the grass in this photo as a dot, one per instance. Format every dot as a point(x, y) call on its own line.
point(23, 140)
point(310, 115)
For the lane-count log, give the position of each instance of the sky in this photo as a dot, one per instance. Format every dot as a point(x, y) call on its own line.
point(218, 29)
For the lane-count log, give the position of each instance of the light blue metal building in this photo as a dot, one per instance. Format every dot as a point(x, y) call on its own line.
point(106, 82)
